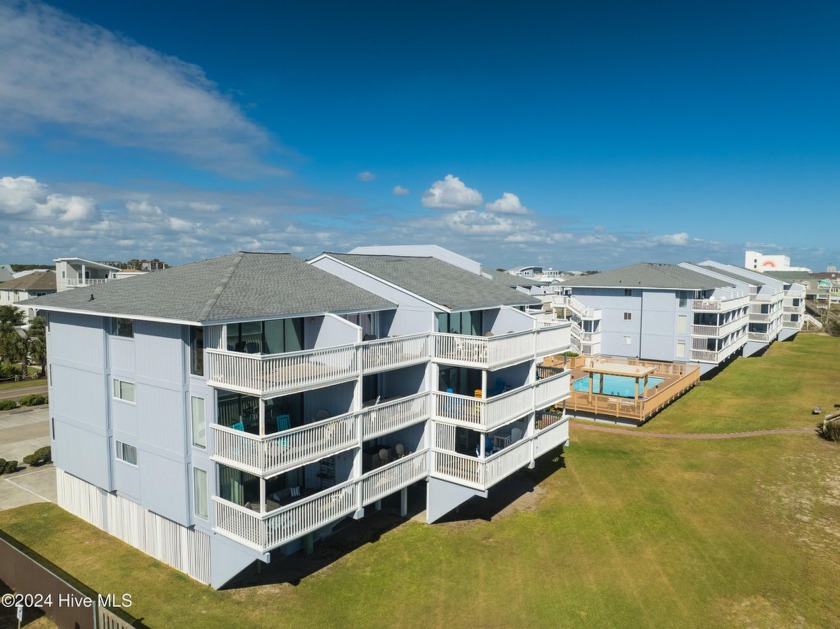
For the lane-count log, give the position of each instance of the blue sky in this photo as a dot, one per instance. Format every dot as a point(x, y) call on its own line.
point(579, 135)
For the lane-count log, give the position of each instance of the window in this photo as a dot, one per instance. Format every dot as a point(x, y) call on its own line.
point(682, 324)
point(628, 316)
point(200, 492)
point(126, 453)
point(124, 390)
point(122, 327)
point(628, 292)
point(199, 425)
point(683, 298)
point(276, 336)
point(680, 349)
point(197, 351)
point(627, 340)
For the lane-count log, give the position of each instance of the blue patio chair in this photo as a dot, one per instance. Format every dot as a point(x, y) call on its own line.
point(239, 426)
point(284, 422)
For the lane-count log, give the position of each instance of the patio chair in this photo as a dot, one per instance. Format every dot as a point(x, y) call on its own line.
point(515, 434)
point(284, 422)
point(400, 450)
point(384, 456)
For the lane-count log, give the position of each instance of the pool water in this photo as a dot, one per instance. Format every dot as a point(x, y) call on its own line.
point(621, 386)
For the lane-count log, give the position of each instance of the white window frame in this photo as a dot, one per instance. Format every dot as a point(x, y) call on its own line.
point(122, 449)
point(198, 425)
point(115, 323)
point(119, 392)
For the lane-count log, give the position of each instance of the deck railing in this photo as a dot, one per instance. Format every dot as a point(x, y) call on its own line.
point(720, 305)
point(462, 468)
point(551, 435)
point(499, 409)
point(553, 339)
point(263, 374)
point(284, 450)
point(489, 352)
point(552, 389)
point(391, 353)
point(394, 476)
point(390, 416)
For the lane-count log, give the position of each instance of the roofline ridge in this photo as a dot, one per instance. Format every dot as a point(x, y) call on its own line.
point(220, 287)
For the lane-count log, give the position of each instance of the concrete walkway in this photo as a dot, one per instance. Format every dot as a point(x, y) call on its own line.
point(22, 432)
point(714, 435)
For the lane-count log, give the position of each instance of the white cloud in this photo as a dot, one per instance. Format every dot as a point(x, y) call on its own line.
point(679, 239)
point(450, 193)
point(366, 176)
point(509, 203)
point(597, 239)
point(26, 198)
point(400, 191)
point(58, 70)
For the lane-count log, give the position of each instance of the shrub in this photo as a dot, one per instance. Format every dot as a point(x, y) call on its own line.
point(2, 465)
point(8, 370)
point(7, 405)
point(32, 400)
point(39, 457)
point(11, 466)
point(829, 430)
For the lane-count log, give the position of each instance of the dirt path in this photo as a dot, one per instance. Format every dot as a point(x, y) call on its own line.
point(726, 435)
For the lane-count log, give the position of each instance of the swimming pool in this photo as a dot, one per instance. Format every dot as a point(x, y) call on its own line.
point(621, 386)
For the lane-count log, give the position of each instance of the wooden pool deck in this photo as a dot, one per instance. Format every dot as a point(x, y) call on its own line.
point(677, 379)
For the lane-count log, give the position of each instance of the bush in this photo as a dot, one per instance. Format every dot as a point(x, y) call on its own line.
point(32, 400)
point(8, 370)
point(2, 465)
point(829, 430)
point(11, 466)
point(7, 405)
point(39, 457)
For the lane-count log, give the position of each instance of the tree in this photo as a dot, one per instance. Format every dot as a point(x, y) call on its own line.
point(13, 344)
point(36, 337)
point(11, 315)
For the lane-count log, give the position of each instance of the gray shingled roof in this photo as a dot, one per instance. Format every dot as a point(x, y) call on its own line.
point(734, 275)
point(40, 280)
point(235, 287)
point(648, 275)
point(438, 282)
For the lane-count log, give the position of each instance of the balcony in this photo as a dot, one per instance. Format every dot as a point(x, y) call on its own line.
point(273, 374)
point(267, 375)
point(485, 415)
point(272, 454)
point(552, 431)
point(392, 353)
point(393, 415)
point(567, 301)
point(719, 331)
point(266, 531)
point(719, 305)
point(760, 337)
point(81, 282)
point(482, 352)
point(481, 473)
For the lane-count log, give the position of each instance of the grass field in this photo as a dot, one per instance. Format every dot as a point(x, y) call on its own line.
point(619, 532)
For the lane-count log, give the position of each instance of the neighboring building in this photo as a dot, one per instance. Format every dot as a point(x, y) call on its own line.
point(659, 312)
point(776, 310)
point(237, 409)
point(756, 261)
point(81, 273)
point(6, 273)
point(26, 287)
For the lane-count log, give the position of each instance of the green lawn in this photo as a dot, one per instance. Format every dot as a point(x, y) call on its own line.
point(777, 390)
point(631, 532)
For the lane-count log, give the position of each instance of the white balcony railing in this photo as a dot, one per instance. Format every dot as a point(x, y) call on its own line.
point(284, 450)
point(482, 473)
point(269, 530)
point(81, 282)
point(390, 416)
point(394, 476)
point(720, 305)
point(501, 409)
point(719, 331)
point(491, 352)
point(551, 436)
point(396, 352)
point(577, 307)
point(760, 337)
point(265, 374)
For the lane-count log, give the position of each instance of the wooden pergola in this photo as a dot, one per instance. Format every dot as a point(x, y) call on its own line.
point(637, 372)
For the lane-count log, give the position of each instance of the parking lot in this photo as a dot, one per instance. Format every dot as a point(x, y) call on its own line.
point(23, 431)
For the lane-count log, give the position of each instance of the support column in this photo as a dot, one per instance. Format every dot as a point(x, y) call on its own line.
point(404, 502)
